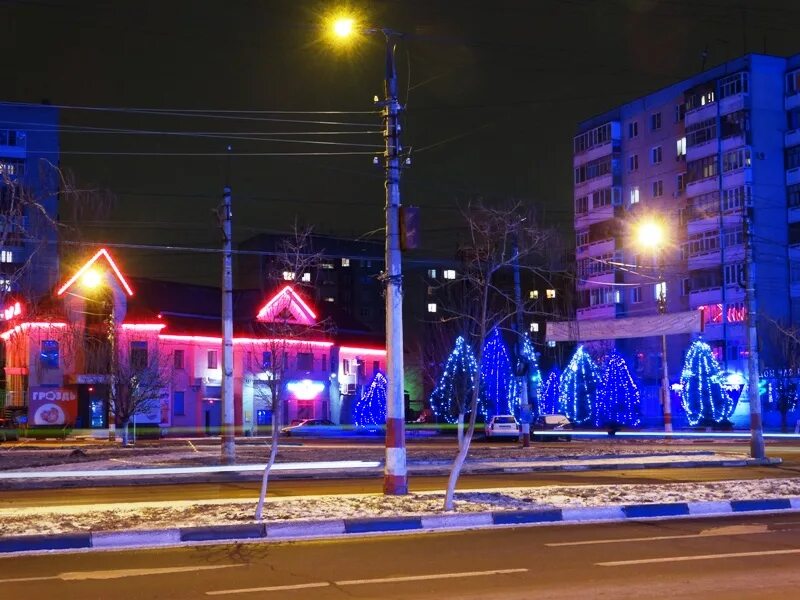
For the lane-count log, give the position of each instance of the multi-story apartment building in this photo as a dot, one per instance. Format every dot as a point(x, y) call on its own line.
point(700, 156)
point(29, 186)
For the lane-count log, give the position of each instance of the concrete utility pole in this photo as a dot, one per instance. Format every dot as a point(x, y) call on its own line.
point(228, 419)
point(395, 478)
point(756, 426)
point(666, 400)
point(524, 402)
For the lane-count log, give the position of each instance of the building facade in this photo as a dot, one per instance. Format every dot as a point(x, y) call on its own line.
point(700, 157)
point(98, 322)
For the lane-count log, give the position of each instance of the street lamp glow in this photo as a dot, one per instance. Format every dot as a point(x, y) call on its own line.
point(91, 279)
point(650, 235)
point(343, 27)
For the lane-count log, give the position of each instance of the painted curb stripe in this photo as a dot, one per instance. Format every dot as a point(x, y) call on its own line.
point(710, 508)
point(766, 504)
point(634, 511)
point(368, 525)
point(527, 516)
point(111, 539)
point(25, 543)
point(305, 529)
point(223, 532)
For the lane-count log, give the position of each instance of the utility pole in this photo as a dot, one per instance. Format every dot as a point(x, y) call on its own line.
point(228, 418)
point(756, 426)
point(666, 401)
point(522, 362)
point(395, 477)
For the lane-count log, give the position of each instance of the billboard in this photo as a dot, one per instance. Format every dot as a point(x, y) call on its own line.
point(52, 406)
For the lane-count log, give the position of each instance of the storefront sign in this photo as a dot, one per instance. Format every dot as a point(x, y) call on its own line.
point(52, 406)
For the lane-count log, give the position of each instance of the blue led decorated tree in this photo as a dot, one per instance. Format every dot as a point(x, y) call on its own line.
point(497, 388)
point(450, 400)
point(702, 394)
point(371, 407)
point(578, 388)
point(532, 378)
point(618, 400)
point(549, 399)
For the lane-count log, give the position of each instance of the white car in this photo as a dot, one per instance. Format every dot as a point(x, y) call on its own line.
point(502, 426)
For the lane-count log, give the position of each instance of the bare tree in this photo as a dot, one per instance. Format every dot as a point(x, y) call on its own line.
point(285, 335)
point(497, 238)
point(784, 380)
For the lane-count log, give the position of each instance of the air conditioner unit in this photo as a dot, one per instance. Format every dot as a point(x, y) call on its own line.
point(351, 388)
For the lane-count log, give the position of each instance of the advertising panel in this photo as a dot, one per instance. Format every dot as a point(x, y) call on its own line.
point(52, 406)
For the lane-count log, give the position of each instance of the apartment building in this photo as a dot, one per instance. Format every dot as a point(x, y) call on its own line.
point(699, 157)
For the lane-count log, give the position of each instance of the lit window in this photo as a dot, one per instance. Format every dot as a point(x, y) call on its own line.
point(681, 146)
point(306, 277)
point(551, 343)
point(330, 299)
point(6, 256)
point(550, 294)
point(288, 276)
point(449, 274)
point(326, 266)
point(432, 273)
point(660, 290)
point(534, 327)
point(5, 284)
point(635, 194)
point(345, 262)
point(533, 294)
point(212, 359)
point(431, 307)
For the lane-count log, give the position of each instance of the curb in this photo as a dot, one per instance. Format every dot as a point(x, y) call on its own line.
point(346, 527)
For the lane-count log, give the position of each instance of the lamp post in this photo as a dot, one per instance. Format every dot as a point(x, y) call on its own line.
point(395, 480)
point(651, 235)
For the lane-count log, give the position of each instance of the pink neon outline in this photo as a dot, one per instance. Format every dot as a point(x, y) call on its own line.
point(367, 351)
point(288, 288)
point(218, 340)
point(144, 326)
point(88, 264)
point(28, 325)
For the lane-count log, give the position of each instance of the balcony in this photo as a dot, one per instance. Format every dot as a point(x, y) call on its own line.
point(701, 113)
point(598, 248)
point(610, 147)
point(736, 178)
point(702, 186)
point(793, 176)
point(713, 258)
point(704, 297)
point(792, 101)
point(601, 311)
point(594, 215)
point(597, 280)
point(791, 138)
point(701, 150)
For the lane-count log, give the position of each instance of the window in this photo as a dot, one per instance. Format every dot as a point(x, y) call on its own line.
point(636, 295)
point(306, 277)
point(680, 183)
point(345, 262)
point(6, 256)
point(266, 360)
point(326, 266)
point(345, 366)
point(734, 273)
point(582, 205)
point(680, 147)
point(5, 284)
point(177, 359)
point(793, 157)
point(432, 273)
point(582, 237)
point(533, 294)
point(601, 198)
point(633, 162)
point(431, 307)
point(733, 84)
point(330, 299)
point(324, 362)
point(48, 358)
point(737, 159)
point(680, 112)
point(449, 274)
point(593, 169)
point(734, 199)
point(376, 366)
point(702, 168)
point(305, 361)
point(633, 129)
point(12, 168)
point(660, 290)
point(550, 294)
point(178, 404)
point(138, 355)
point(212, 359)
point(594, 137)
point(793, 193)
point(658, 188)
point(793, 83)
point(635, 194)
point(534, 328)
point(702, 132)
point(655, 155)
point(288, 276)
point(685, 286)
point(655, 121)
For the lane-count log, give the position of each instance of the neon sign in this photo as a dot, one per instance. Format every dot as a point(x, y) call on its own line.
point(12, 311)
point(305, 389)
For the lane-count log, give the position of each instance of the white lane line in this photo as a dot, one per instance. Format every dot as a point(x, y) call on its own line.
point(118, 573)
point(648, 561)
point(721, 532)
point(274, 588)
point(429, 577)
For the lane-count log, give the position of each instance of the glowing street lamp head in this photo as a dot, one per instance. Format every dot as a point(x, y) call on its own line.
point(343, 27)
point(91, 279)
point(650, 234)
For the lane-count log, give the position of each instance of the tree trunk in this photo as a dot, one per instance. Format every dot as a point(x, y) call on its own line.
point(784, 421)
point(460, 430)
point(273, 453)
point(125, 433)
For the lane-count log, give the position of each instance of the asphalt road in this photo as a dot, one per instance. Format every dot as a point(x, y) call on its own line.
point(741, 558)
point(300, 487)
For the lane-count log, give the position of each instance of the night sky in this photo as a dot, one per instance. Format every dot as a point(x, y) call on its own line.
point(494, 91)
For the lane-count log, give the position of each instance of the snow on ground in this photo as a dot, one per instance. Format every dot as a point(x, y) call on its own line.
point(160, 515)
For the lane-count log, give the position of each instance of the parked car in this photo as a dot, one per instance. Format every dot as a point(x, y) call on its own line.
point(556, 423)
point(9, 430)
point(310, 427)
point(502, 426)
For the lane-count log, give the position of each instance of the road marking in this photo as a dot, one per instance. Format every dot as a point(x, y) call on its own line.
point(274, 588)
point(648, 561)
point(117, 573)
point(428, 577)
point(192, 446)
point(402, 579)
point(721, 532)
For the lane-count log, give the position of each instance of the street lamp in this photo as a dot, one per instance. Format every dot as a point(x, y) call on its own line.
point(395, 480)
point(652, 234)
